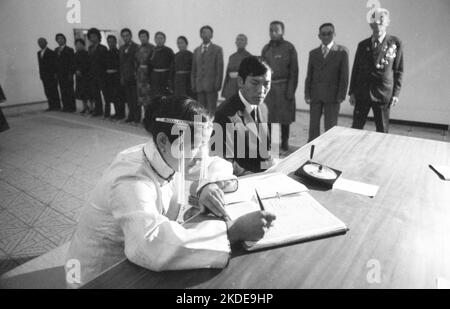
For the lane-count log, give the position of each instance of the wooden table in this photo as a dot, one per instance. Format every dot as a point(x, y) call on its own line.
point(399, 239)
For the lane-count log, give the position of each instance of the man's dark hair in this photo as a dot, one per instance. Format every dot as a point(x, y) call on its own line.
point(60, 35)
point(111, 37)
point(174, 107)
point(326, 25)
point(253, 66)
point(81, 41)
point(94, 31)
point(206, 27)
point(182, 37)
point(277, 22)
point(143, 31)
point(160, 33)
point(125, 30)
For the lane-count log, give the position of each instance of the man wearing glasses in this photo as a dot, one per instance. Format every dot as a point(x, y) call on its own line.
point(326, 81)
point(377, 74)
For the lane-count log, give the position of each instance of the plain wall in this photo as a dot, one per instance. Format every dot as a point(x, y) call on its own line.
point(22, 22)
point(420, 24)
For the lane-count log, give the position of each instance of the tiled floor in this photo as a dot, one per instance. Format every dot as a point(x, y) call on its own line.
point(49, 163)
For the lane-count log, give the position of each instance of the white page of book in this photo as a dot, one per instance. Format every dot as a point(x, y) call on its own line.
point(268, 185)
point(298, 217)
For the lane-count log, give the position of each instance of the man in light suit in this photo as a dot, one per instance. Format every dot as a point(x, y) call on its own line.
point(326, 81)
point(207, 70)
point(47, 73)
point(243, 119)
point(377, 74)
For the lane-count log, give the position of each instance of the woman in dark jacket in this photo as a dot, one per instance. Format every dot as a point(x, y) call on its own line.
point(181, 69)
point(159, 68)
point(82, 74)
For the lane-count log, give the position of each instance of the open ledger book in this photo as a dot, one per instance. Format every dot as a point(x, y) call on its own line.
point(299, 216)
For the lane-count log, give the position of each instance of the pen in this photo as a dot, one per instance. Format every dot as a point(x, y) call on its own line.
point(259, 201)
point(311, 154)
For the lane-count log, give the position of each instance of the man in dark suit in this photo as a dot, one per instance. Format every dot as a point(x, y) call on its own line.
point(245, 138)
point(326, 81)
point(65, 69)
point(207, 70)
point(47, 73)
point(97, 76)
point(377, 74)
point(128, 75)
point(113, 87)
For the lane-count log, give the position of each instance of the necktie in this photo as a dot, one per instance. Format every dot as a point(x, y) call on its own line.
point(204, 49)
point(254, 114)
point(325, 52)
point(375, 44)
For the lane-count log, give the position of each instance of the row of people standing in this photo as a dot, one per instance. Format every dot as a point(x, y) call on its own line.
point(135, 73)
point(132, 73)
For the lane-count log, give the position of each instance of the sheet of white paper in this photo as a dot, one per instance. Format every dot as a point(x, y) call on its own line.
point(268, 185)
point(443, 284)
point(356, 187)
point(444, 170)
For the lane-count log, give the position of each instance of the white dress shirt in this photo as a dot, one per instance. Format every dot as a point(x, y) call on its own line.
point(43, 52)
point(328, 48)
point(131, 214)
point(380, 39)
point(249, 107)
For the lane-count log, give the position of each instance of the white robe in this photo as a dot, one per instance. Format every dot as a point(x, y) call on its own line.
point(131, 214)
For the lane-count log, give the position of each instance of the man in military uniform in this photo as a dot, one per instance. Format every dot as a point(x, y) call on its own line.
point(281, 56)
point(377, 74)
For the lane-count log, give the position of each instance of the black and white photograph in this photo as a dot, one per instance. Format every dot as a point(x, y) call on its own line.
point(220, 145)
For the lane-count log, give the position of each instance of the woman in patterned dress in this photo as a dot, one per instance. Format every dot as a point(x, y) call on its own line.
point(143, 55)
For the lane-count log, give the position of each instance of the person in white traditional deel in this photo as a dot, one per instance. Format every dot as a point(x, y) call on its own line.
point(134, 211)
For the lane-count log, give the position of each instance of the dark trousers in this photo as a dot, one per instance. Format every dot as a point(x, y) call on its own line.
point(285, 133)
point(114, 95)
point(316, 110)
point(135, 110)
point(97, 89)
point(67, 92)
point(51, 92)
point(208, 100)
point(380, 114)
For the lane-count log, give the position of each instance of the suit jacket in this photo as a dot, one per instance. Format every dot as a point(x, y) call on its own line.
point(233, 111)
point(65, 61)
point(375, 81)
point(113, 60)
point(207, 69)
point(128, 62)
point(82, 62)
point(327, 79)
point(47, 64)
point(97, 58)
